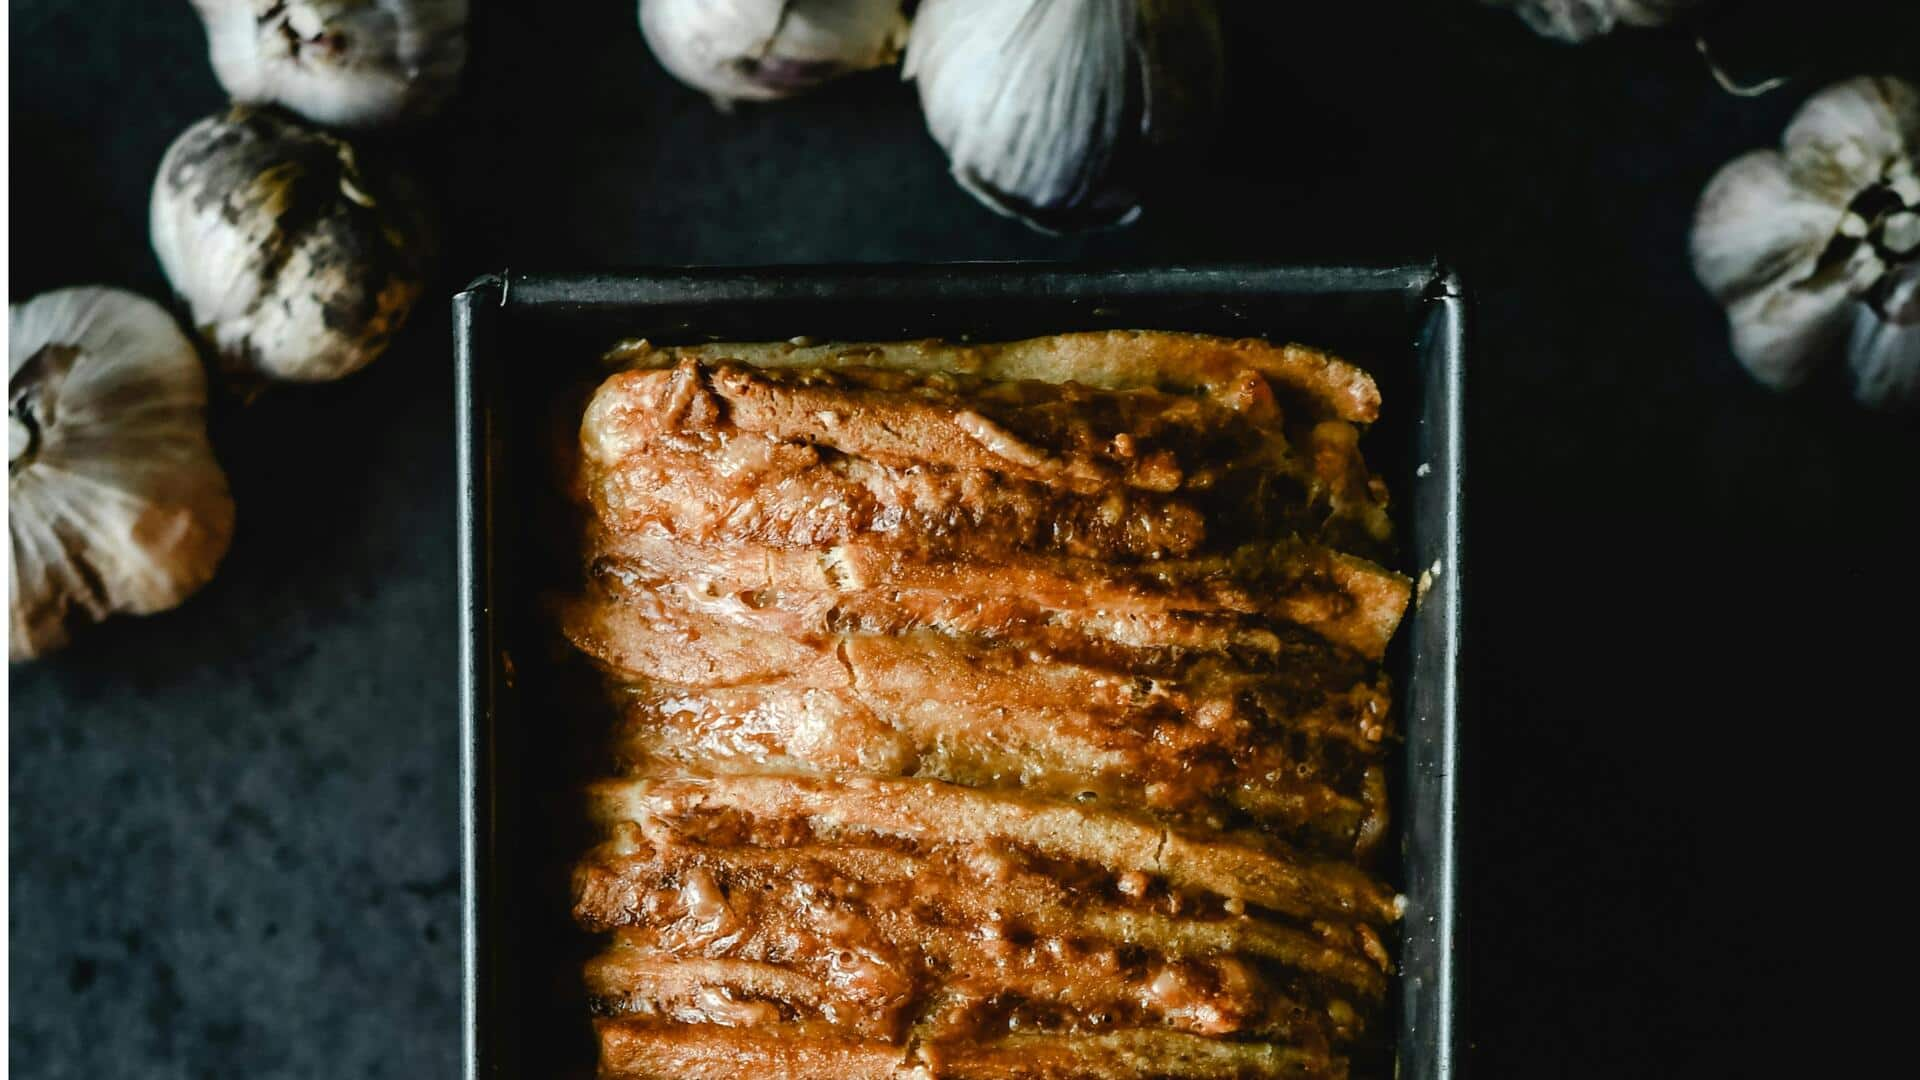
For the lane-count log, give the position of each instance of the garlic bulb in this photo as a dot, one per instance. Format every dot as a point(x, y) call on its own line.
point(1580, 20)
point(115, 501)
point(1052, 110)
point(298, 259)
point(762, 49)
point(1795, 242)
point(353, 63)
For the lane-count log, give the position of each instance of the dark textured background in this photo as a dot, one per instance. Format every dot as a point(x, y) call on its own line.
point(234, 826)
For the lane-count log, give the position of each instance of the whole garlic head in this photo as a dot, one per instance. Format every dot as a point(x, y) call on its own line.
point(352, 63)
point(298, 259)
point(1795, 242)
point(1050, 110)
point(115, 501)
point(757, 50)
point(1575, 21)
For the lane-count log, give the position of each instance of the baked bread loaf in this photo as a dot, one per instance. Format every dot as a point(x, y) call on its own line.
point(1008, 710)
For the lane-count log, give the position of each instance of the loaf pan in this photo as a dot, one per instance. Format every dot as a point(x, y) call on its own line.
point(525, 346)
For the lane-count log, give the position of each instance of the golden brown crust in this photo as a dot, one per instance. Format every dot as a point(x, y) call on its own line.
point(1346, 600)
point(712, 454)
point(1307, 788)
point(929, 814)
point(988, 711)
point(640, 1050)
point(644, 636)
point(1107, 359)
point(912, 902)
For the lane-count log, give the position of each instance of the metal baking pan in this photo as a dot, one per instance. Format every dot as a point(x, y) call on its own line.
point(526, 344)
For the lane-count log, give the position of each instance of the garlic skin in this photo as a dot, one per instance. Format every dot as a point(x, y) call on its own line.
point(1883, 353)
point(1050, 110)
point(759, 50)
point(1575, 21)
point(298, 260)
point(347, 63)
point(115, 502)
point(1792, 242)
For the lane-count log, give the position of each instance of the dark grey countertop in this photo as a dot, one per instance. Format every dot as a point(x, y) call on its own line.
point(234, 826)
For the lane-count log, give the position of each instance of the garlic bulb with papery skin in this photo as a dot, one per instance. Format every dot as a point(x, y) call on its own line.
point(115, 502)
point(352, 63)
point(757, 50)
point(1056, 111)
point(1581, 20)
point(298, 258)
point(1794, 242)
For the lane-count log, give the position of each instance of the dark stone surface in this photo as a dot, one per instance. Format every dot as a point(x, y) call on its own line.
point(234, 826)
